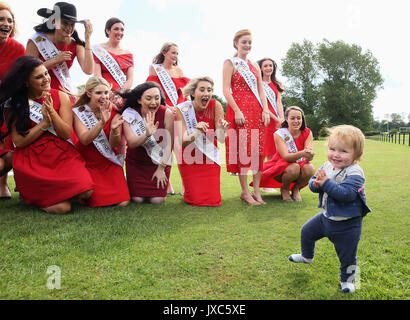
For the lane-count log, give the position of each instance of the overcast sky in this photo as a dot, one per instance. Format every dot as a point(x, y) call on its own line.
point(204, 31)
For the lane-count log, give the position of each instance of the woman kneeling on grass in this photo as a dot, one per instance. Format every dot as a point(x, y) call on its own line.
point(290, 167)
point(99, 133)
point(48, 170)
point(149, 129)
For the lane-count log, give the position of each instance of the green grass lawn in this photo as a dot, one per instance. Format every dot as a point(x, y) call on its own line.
point(175, 251)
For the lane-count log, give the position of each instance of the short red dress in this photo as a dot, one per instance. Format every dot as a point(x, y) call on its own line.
point(10, 51)
point(179, 84)
point(270, 148)
point(140, 168)
point(50, 170)
point(125, 61)
point(245, 144)
point(110, 185)
point(277, 165)
point(201, 180)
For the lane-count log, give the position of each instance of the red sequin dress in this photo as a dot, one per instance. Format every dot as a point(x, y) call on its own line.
point(50, 170)
point(245, 144)
point(201, 178)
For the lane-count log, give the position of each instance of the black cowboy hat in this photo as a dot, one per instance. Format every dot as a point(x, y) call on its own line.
point(67, 11)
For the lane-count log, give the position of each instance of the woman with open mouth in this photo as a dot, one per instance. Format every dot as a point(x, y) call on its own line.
point(57, 43)
point(149, 130)
point(10, 51)
point(166, 72)
point(100, 143)
point(201, 164)
point(118, 69)
point(48, 170)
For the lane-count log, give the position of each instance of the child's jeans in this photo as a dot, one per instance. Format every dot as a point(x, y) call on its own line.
point(344, 235)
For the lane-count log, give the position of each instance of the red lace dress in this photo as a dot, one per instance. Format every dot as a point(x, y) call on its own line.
point(10, 51)
point(270, 148)
point(245, 144)
point(277, 165)
point(140, 168)
point(201, 178)
point(110, 184)
point(125, 61)
point(50, 170)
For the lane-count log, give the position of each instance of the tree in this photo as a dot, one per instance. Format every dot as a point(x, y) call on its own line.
point(333, 82)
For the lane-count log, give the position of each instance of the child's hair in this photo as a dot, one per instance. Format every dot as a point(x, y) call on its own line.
point(350, 135)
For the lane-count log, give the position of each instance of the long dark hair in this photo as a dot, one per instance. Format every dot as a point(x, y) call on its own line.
point(14, 93)
point(273, 75)
point(131, 97)
point(44, 28)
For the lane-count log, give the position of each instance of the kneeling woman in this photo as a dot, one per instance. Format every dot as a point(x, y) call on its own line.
point(48, 170)
point(202, 122)
point(290, 167)
point(149, 129)
point(100, 144)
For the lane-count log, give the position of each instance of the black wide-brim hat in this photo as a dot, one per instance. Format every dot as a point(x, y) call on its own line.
point(67, 11)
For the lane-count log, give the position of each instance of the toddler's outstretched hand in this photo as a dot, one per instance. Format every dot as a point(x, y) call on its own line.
point(321, 177)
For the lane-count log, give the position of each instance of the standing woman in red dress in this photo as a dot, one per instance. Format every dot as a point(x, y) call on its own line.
point(114, 64)
point(202, 121)
point(57, 43)
point(48, 170)
point(166, 72)
point(290, 168)
point(99, 141)
point(10, 51)
point(248, 114)
point(149, 130)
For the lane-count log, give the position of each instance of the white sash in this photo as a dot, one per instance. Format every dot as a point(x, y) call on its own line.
point(151, 146)
point(88, 118)
point(36, 116)
point(203, 144)
point(167, 83)
point(242, 67)
point(289, 141)
point(271, 95)
point(49, 51)
point(111, 64)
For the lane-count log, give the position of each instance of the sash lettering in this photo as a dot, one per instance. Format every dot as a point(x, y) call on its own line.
point(49, 51)
point(167, 83)
point(271, 95)
point(88, 118)
point(203, 144)
point(242, 67)
point(151, 146)
point(111, 64)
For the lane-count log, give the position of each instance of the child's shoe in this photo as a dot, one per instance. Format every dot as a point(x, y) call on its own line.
point(298, 258)
point(347, 287)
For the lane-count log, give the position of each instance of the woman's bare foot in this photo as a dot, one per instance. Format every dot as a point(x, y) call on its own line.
point(296, 195)
point(284, 192)
point(258, 198)
point(249, 200)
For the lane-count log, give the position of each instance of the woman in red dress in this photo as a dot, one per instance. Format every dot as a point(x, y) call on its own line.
point(48, 170)
point(148, 128)
point(99, 141)
point(201, 172)
point(290, 168)
point(60, 30)
point(248, 114)
point(114, 31)
point(167, 62)
point(10, 51)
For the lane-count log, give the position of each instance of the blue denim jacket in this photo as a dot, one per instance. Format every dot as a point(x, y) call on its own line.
point(345, 194)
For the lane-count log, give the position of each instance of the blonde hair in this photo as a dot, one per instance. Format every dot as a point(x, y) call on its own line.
point(239, 34)
point(159, 58)
point(91, 84)
point(349, 135)
point(4, 6)
point(190, 88)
